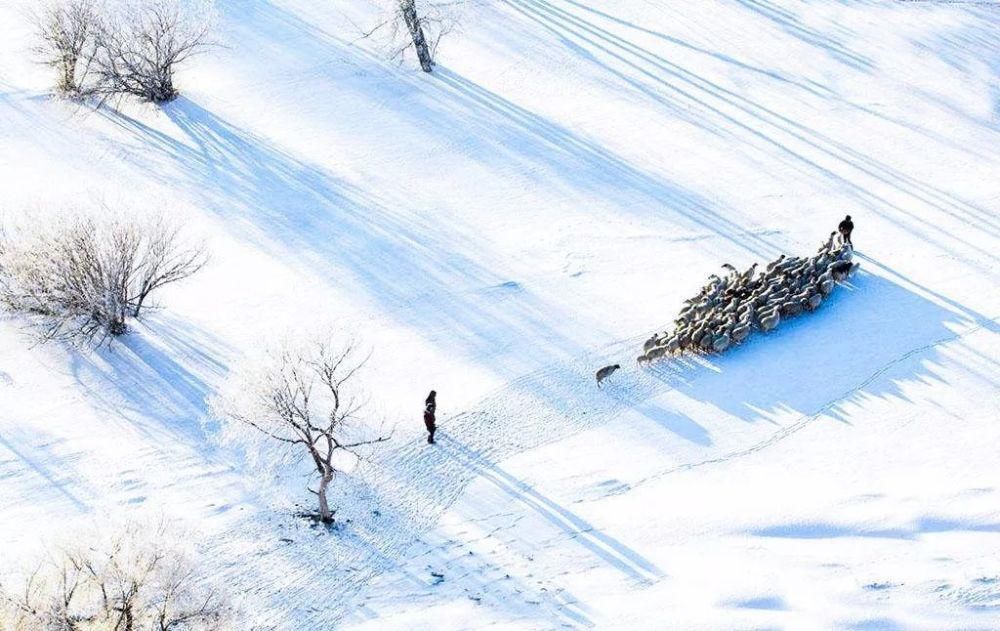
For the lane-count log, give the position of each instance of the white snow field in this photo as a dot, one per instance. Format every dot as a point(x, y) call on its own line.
point(500, 229)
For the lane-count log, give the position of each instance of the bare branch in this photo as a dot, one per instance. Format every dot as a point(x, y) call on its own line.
point(136, 578)
point(306, 400)
point(83, 278)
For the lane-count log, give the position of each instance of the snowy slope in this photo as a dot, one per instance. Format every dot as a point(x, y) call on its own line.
point(499, 230)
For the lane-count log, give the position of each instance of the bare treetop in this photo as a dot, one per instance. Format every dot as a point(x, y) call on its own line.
point(306, 403)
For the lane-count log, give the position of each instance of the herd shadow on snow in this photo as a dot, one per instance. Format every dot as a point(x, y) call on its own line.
point(821, 362)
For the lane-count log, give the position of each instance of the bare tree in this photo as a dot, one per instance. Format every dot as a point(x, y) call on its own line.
point(141, 44)
point(83, 278)
point(138, 578)
point(67, 41)
point(306, 406)
point(416, 25)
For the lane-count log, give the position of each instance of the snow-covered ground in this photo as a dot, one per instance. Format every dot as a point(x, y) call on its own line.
point(497, 231)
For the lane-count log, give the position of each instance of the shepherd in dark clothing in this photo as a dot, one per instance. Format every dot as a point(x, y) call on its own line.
point(846, 227)
point(430, 405)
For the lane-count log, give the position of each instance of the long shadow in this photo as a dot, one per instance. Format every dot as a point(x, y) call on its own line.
point(141, 381)
point(788, 22)
point(39, 458)
point(305, 215)
point(154, 383)
point(505, 134)
point(976, 317)
point(584, 163)
point(826, 354)
point(806, 85)
point(445, 568)
point(823, 530)
point(694, 89)
point(613, 552)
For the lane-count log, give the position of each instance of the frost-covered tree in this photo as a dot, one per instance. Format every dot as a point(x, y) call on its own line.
point(142, 42)
point(113, 48)
point(137, 578)
point(67, 41)
point(84, 277)
point(417, 26)
point(302, 404)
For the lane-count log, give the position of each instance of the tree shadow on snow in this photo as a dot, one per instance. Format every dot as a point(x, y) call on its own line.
point(44, 467)
point(726, 111)
point(155, 382)
point(408, 263)
point(152, 382)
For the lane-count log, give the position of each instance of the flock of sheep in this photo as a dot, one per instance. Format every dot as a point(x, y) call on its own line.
point(730, 307)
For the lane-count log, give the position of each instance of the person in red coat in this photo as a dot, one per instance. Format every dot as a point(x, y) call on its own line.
point(430, 405)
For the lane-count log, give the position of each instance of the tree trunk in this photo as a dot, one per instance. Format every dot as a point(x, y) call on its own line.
point(138, 303)
point(117, 326)
point(324, 507)
point(409, 10)
point(67, 83)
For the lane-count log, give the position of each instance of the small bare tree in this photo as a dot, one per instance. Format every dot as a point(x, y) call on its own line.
point(306, 406)
point(67, 41)
point(83, 278)
point(141, 44)
point(137, 578)
point(417, 25)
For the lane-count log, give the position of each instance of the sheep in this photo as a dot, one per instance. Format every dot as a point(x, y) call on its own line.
point(770, 321)
point(650, 343)
point(706, 341)
point(720, 343)
point(672, 345)
point(791, 308)
point(684, 338)
point(825, 283)
point(740, 333)
point(656, 353)
point(841, 269)
point(728, 308)
point(813, 301)
point(771, 266)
